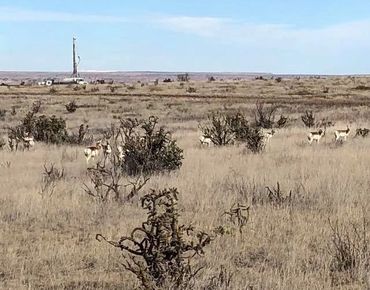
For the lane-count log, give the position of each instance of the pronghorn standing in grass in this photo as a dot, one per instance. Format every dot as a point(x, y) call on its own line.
point(205, 141)
point(92, 151)
point(267, 135)
point(342, 134)
point(315, 136)
point(13, 143)
point(121, 152)
point(28, 141)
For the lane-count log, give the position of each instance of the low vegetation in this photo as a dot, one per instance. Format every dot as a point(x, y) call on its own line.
point(47, 129)
point(159, 251)
point(265, 117)
point(71, 107)
point(148, 148)
point(308, 119)
point(224, 129)
point(294, 217)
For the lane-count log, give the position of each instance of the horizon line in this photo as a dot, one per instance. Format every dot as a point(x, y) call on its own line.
point(183, 71)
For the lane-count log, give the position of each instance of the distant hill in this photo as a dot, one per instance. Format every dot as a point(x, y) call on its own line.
point(130, 76)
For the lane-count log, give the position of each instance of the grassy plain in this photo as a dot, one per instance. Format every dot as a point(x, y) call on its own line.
point(49, 242)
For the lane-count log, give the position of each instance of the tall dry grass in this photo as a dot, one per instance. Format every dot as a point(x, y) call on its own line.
point(49, 241)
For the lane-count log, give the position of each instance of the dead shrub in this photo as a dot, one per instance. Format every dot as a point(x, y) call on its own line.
point(80, 138)
point(2, 114)
point(222, 280)
point(282, 122)
point(53, 91)
point(71, 107)
point(349, 252)
point(160, 251)
point(264, 117)
point(361, 88)
point(183, 77)
point(13, 111)
point(260, 78)
point(362, 132)
point(2, 144)
point(191, 90)
point(237, 217)
point(109, 183)
point(255, 140)
point(50, 178)
point(155, 89)
point(277, 197)
point(36, 107)
point(308, 118)
point(257, 194)
point(278, 79)
point(219, 129)
point(6, 164)
point(325, 122)
point(106, 182)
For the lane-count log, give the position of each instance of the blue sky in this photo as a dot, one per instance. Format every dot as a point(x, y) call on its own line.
point(328, 37)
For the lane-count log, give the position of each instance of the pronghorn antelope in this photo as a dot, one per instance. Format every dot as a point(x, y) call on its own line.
point(92, 151)
point(2, 143)
point(13, 143)
point(205, 140)
point(315, 136)
point(342, 134)
point(267, 135)
point(362, 132)
point(121, 152)
point(28, 142)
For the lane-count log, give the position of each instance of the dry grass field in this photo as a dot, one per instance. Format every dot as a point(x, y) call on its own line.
point(48, 242)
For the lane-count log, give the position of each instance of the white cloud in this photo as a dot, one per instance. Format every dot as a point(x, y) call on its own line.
point(221, 29)
point(274, 35)
point(340, 47)
point(10, 14)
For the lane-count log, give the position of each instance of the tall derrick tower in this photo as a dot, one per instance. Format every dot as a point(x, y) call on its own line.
point(75, 63)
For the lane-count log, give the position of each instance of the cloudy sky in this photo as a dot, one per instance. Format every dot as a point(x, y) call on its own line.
point(285, 36)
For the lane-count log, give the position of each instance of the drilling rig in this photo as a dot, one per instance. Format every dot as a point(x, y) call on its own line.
point(75, 77)
point(75, 64)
